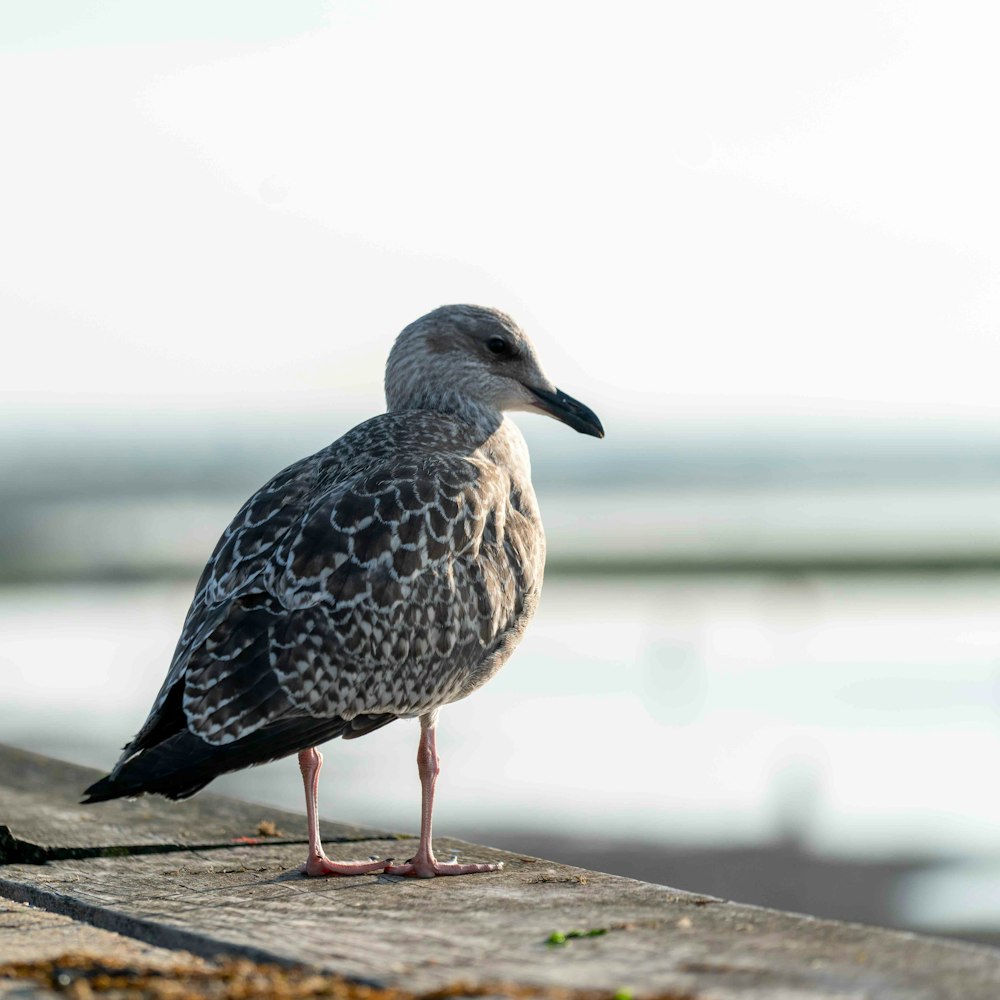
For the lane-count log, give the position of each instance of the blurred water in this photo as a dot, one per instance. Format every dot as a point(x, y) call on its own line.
point(859, 715)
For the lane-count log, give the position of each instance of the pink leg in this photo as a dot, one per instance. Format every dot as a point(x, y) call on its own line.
point(423, 864)
point(317, 863)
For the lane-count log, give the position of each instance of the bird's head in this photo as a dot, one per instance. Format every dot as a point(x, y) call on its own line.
point(476, 354)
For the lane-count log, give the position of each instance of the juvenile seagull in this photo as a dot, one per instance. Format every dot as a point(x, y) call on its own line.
point(389, 574)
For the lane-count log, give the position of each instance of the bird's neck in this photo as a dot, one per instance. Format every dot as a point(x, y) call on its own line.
point(482, 418)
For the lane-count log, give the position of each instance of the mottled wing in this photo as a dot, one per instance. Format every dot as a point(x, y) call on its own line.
point(248, 544)
point(389, 596)
point(241, 555)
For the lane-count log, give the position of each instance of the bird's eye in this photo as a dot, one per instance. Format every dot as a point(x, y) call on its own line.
point(497, 345)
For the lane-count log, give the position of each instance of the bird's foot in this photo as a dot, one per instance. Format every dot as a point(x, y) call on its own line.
point(430, 867)
point(321, 865)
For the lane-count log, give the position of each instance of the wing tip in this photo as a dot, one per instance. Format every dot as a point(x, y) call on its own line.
point(101, 791)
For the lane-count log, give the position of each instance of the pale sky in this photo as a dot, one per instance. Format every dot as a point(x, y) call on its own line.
point(702, 211)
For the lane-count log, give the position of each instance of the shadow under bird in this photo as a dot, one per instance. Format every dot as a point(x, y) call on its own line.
point(387, 575)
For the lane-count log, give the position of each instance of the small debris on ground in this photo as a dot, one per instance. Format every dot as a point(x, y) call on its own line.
point(558, 938)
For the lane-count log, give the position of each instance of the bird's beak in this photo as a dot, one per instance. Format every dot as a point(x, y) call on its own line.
point(568, 410)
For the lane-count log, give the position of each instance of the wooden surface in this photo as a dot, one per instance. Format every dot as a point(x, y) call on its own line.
point(249, 900)
point(41, 818)
point(30, 934)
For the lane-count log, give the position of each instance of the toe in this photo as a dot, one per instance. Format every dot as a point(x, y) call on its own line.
point(432, 869)
point(315, 867)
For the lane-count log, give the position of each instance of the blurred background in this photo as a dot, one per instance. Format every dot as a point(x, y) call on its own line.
point(759, 240)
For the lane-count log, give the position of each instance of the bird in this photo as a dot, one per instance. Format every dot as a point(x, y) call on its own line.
point(381, 578)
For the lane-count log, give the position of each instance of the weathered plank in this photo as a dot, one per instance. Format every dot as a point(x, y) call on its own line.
point(41, 818)
point(33, 937)
point(495, 928)
point(30, 934)
point(419, 935)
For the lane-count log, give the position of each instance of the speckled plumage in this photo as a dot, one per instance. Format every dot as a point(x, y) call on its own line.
point(387, 575)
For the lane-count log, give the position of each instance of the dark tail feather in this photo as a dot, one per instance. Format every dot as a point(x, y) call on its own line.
point(184, 763)
point(177, 767)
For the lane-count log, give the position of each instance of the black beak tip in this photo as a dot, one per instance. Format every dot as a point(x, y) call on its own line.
point(569, 411)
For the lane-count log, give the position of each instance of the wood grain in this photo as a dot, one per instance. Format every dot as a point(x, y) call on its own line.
point(251, 901)
point(494, 928)
point(41, 818)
